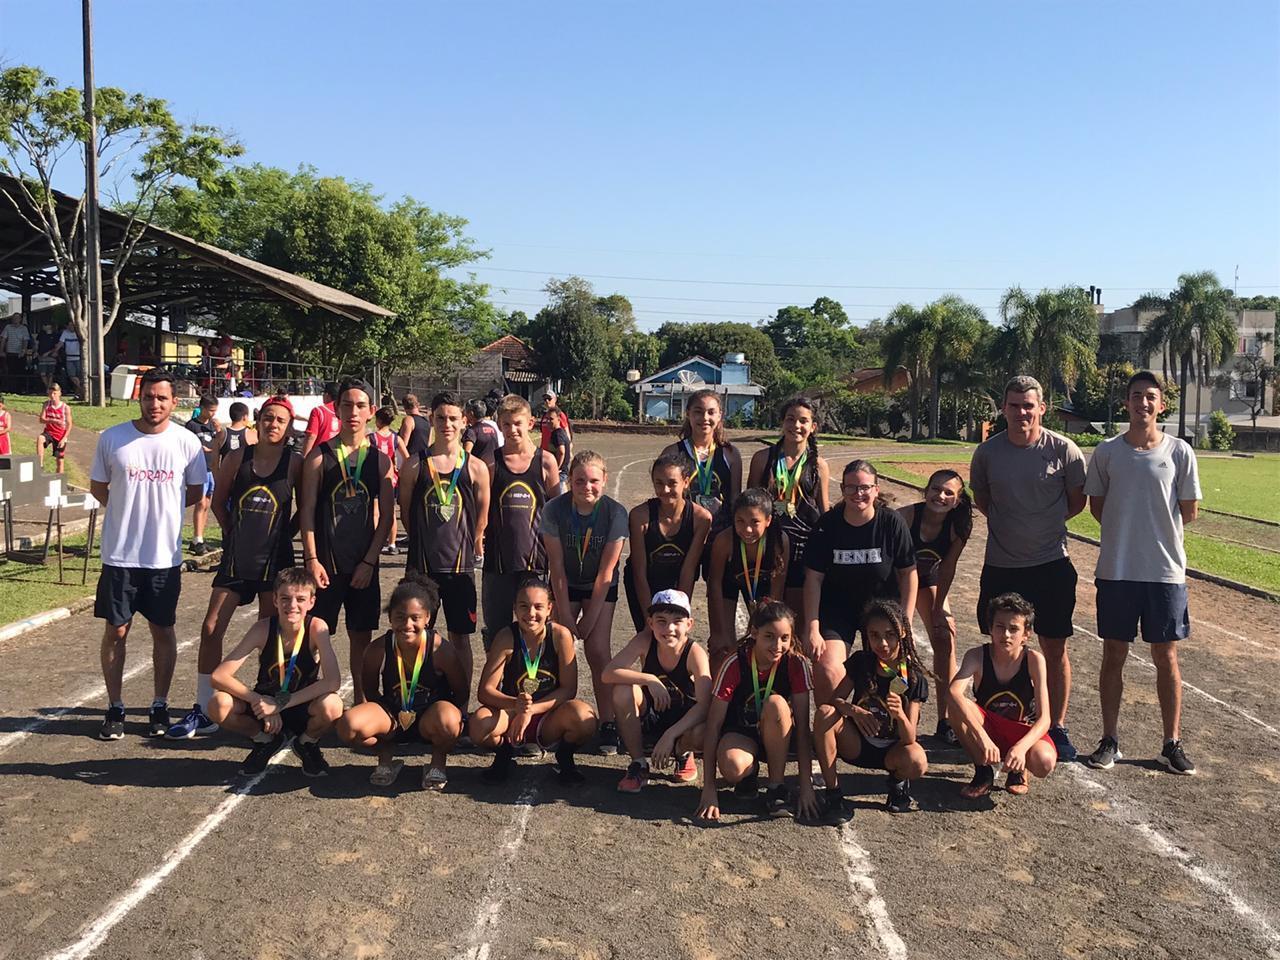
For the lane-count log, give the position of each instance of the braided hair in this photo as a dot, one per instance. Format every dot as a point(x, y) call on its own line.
point(891, 610)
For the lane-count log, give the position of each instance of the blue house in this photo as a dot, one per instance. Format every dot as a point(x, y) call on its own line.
point(664, 394)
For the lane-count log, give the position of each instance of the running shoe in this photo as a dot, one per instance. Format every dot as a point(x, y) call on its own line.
point(1066, 749)
point(634, 779)
point(899, 799)
point(434, 779)
point(113, 726)
point(195, 722)
point(774, 801)
point(983, 779)
point(1173, 757)
point(198, 548)
point(748, 786)
point(607, 741)
point(566, 766)
point(1105, 757)
point(313, 762)
point(158, 720)
point(261, 755)
point(834, 807)
point(504, 764)
point(946, 734)
point(686, 768)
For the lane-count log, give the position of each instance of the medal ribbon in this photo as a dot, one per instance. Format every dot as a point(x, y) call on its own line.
point(286, 673)
point(407, 690)
point(788, 481)
point(704, 475)
point(531, 666)
point(351, 476)
point(752, 580)
point(584, 540)
point(755, 684)
point(447, 496)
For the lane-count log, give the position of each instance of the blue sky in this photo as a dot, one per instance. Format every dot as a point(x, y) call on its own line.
point(874, 153)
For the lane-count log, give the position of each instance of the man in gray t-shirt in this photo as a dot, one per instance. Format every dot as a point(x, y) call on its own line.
point(1028, 482)
point(1143, 486)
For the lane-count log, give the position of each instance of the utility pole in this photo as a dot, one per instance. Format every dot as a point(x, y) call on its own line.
point(95, 379)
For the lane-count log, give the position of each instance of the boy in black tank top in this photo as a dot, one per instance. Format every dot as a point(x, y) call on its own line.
point(444, 499)
point(253, 502)
point(415, 686)
point(296, 690)
point(1009, 722)
point(665, 702)
point(524, 477)
point(415, 429)
point(345, 508)
point(668, 535)
point(238, 434)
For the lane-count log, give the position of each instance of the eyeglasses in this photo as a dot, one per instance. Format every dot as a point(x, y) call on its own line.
point(858, 488)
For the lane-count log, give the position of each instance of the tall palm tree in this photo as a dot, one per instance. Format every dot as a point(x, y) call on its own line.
point(905, 345)
point(952, 328)
point(1054, 333)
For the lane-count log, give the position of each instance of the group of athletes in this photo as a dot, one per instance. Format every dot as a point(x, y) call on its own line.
point(829, 591)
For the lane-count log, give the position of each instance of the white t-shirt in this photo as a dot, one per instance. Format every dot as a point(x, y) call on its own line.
point(494, 424)
point(148, 474)
point(1141, 523)
point(70, 344)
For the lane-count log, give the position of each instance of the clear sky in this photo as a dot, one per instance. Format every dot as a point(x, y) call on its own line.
point(873, 153)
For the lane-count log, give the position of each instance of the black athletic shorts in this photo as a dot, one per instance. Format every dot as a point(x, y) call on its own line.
point(246, 590)
point(1050, 588)
point(363, 606)
point(412, 735)
point(458, 600)
point(578, 595)
point(295, 719)
point(124, 591)
point(59, 446)
point(654, 724)
point(871, 757)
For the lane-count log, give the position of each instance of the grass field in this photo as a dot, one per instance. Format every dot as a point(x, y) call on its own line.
point(1247, 486)
point(83, 415)
point(25, 446)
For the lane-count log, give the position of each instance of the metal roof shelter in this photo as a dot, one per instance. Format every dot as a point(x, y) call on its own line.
point(166, 268)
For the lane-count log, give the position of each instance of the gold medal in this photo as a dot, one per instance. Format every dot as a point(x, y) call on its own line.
point(791, 509)
point(898, 685)
point(780, 508)
point(406, 718)
point(529, 685)
point(447, 510)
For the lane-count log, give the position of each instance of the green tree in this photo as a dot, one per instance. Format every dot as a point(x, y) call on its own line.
point(1053, 334)
point(904, 345)
point(140, 146)
point(1222, 435)
point(824, 326)
point(1252, 374)
point(571, 339)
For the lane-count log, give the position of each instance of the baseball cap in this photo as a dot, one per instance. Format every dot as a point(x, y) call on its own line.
point(676, 599)
point(279, 401)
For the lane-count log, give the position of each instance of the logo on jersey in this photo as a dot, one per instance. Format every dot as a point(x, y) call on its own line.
point(1005, 703)
point(853, 558)
point(149, 475)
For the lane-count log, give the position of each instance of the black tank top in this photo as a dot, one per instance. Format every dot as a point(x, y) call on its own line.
point(735, 578)
point(511, 539)
point(548, 666)
point(677, 680)
point(232, 440)
point(1014, 700)
point(442, 537)
point(799, 526)
point(259, 544)
point(741, 714)
point(344, 509)
point(305, 669)
point(433, 685)
point(929, 553)
point(714, 497)
point(663, 555)
point(420, 439)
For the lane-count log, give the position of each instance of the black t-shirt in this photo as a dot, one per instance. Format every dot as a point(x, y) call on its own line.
point(560, 440)
point(858, 564)
point(871, 692)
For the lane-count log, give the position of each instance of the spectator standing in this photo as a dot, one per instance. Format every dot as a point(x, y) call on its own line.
point(415, 428)
point(203, 425)
point(6, 424)
point(47, 354)
point(322, 425)
point(16, 339)
point(552, 419)
point(69, 347)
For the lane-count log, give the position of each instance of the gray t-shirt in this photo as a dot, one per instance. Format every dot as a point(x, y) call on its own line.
point(562, 521)
point(1141, 524)
point(1027, 491)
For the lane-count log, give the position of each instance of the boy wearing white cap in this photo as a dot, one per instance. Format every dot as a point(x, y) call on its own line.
point(664, 703)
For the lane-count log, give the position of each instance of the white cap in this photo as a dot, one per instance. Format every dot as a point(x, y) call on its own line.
point(672, 598)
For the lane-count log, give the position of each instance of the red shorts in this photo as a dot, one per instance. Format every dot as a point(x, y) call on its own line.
point(1004, 733)
point(532, 733)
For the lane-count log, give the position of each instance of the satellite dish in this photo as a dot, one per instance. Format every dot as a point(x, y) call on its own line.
point(689, 377)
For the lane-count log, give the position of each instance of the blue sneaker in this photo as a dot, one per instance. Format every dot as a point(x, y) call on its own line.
point(195, 722)
point(1066, 749)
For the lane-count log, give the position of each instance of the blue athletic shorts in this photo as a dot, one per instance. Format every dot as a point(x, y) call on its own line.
point(1159, 608)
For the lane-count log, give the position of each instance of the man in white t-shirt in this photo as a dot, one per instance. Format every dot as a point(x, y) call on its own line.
point(1143, 486)
point(69, 346)
point(145, 473)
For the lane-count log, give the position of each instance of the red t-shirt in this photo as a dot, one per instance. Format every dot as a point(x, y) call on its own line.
point(323, 423)
point(731, 676)
point(55, 421)
point(6, 423)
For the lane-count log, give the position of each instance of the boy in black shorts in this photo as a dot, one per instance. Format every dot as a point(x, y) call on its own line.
point(663, 704)
point(295, 694)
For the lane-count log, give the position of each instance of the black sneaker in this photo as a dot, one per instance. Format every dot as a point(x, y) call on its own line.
point(899, 799)
point(313, 762)
point(566, 766)
point(158, 722)
point(113, 726)
point(1105, 757)
point(946, 734)
point(1066, 749)
point(1173, 757)
point(504, 764)
point(198, 548)
point(261, 755)
point(774, 802)
point(607, 740)
point(834, 807)
point(749, 786)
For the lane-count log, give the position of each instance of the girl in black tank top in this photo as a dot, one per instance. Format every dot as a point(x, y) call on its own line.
point(442, 519)
point(748, 559)
point(929, 553)
point(258, 541)
point(345, 505)
point(512, 544)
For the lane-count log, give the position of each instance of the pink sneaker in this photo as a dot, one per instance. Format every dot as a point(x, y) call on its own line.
point(686, 768)
point(634, 779)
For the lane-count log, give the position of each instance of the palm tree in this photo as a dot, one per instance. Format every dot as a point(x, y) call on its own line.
point(1054, 333)
point(903, 345)
point(952, 328)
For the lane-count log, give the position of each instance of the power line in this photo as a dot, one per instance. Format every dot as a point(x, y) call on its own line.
point(766, 303)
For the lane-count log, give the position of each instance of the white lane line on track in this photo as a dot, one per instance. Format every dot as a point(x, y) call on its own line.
point(617, 477)
point(1230, 708)
point(495, 894)
point(1233, 635)
point(97, 932)
point(857, 867)
point(1122, 809)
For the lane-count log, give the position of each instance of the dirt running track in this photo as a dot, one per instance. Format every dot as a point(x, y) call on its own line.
point(149, 849)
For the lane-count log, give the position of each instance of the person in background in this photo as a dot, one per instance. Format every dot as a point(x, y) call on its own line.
point(552, 419)
point(207, 430)
point(392, 447)
point(6, 424)
point(55, 416)
point(69, 347)
point(323, 424)
point(16, 339)
point(257, 368)
point(481, 437)
point(47, 354)
point(415, 428)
